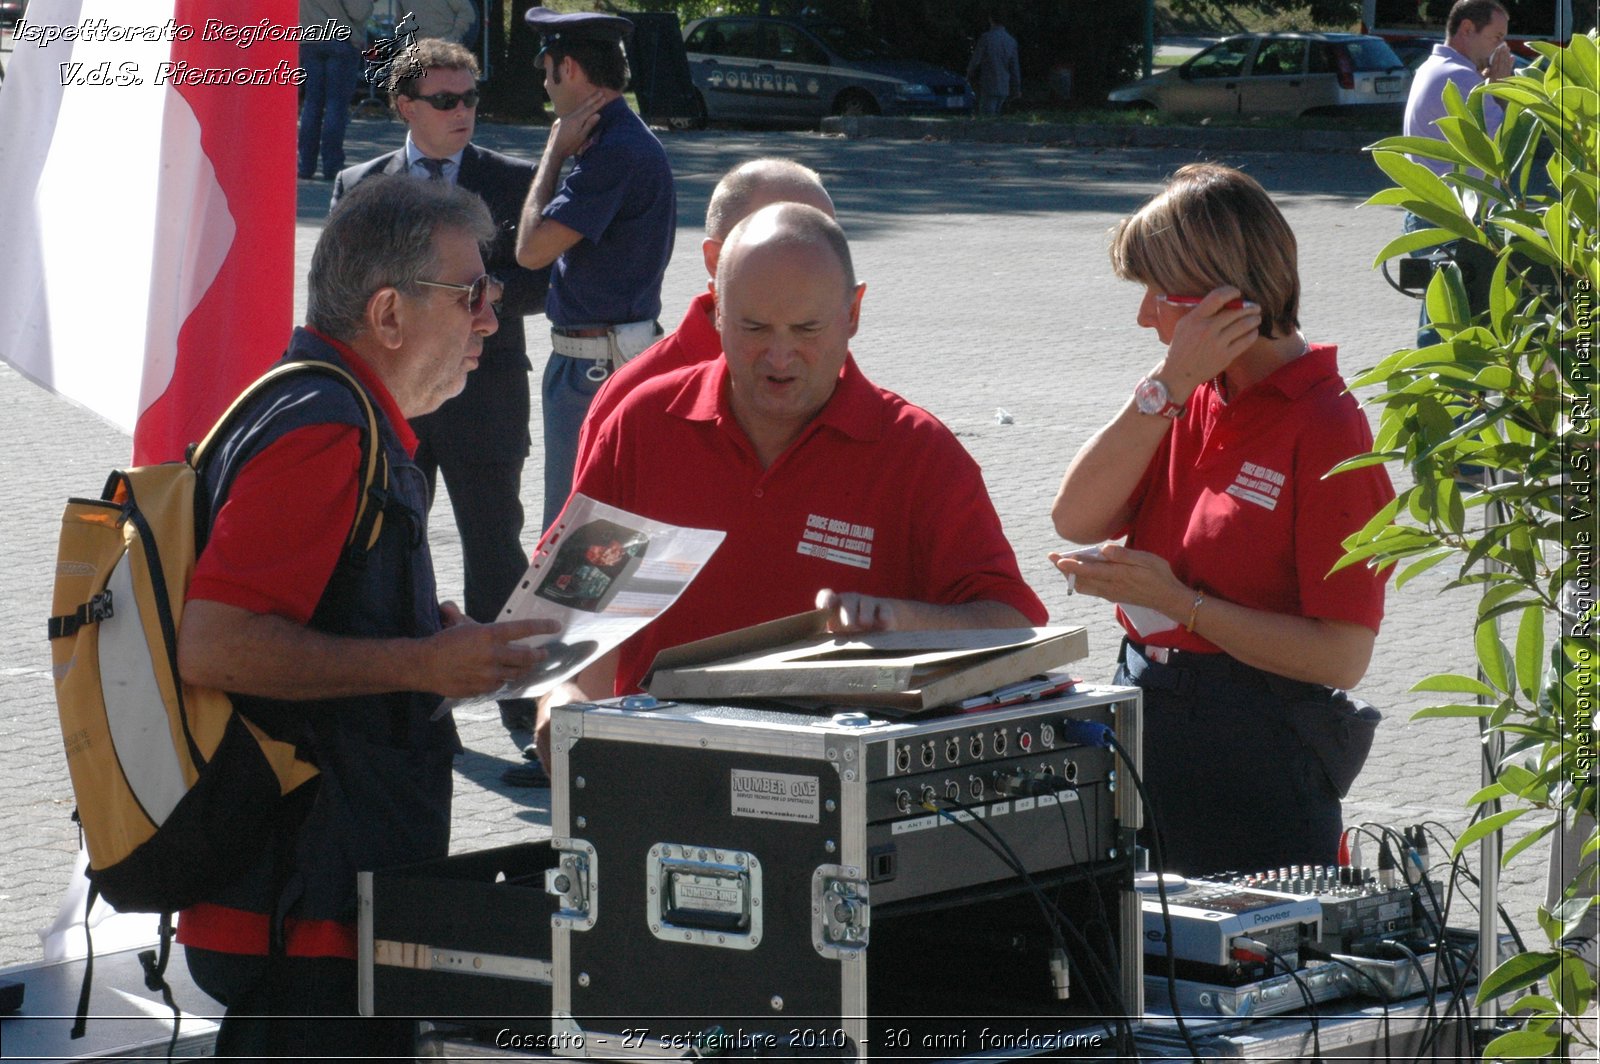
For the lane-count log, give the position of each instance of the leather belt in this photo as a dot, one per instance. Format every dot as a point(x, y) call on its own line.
point(598, 330)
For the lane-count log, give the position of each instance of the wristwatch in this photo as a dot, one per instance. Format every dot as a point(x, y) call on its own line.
point(1151, 397)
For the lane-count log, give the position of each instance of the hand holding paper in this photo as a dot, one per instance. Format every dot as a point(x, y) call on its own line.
point(1141, 583)
point(599, 575)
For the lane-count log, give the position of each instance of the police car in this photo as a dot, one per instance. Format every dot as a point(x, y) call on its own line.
point(753, 69)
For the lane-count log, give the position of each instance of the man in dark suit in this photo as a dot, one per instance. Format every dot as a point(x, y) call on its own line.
point(478, 440)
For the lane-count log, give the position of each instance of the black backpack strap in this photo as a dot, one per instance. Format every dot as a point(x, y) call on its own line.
point(66, 625)
point(374, 493)
point(155, 977)
point(82, 1018)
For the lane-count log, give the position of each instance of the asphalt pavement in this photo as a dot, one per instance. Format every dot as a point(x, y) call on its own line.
point(988, 292)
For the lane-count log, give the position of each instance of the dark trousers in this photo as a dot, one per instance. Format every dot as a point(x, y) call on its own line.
point(295, 1008)
point(1231, 785)
point(487, 500)
point(333, 73)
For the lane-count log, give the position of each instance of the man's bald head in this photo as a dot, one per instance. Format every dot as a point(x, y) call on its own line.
point(787, 307)
point(755, 184)
point(785, 226)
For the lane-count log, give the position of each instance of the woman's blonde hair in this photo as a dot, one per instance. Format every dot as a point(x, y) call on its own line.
point(1210, 226)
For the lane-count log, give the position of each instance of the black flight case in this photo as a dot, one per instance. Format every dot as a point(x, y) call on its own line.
point(748, 880)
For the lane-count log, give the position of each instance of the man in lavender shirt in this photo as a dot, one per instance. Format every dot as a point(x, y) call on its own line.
point(1474, 51)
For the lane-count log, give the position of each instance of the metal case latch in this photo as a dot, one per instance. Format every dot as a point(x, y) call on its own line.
point(576, 881)
point(703, 895)
point(841, 913)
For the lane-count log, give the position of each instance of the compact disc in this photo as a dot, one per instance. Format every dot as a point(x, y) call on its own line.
point(1145, 882)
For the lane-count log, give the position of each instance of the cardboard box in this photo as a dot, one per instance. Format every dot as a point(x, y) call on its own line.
point(795, 658)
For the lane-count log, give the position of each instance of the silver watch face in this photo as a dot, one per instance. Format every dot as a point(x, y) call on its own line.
point(1150, 396)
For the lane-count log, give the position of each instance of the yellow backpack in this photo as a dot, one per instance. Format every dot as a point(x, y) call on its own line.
point(174, 788)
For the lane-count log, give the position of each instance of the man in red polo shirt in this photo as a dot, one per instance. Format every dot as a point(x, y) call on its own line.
point(833, 492)
point(742, 191)
point(346, 657)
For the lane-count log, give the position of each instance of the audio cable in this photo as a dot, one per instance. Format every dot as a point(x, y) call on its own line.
point(1093, 733)
point(1305, 991)
point(1315, 953)
point(1088, 835)
point(1055, 920)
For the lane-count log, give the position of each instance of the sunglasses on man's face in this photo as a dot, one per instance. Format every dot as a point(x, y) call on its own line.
point(446, 101)
point(477, 291)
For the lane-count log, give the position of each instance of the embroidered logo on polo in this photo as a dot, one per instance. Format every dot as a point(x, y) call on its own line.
point(839, 541)
point(1257, 484)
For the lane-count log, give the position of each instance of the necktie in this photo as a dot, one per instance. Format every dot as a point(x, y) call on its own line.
point(435, 167)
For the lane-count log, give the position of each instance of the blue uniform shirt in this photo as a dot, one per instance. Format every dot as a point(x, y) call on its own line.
point(619, 195)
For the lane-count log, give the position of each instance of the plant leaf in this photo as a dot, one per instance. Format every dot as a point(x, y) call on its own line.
point(1502, 305)
point(1467, 138)
point(1417, 568)
point(1451, 511)
point(1492, 657)
point(1516, 779)
point(1389, 197)
point(1419, 179)
point(1523, 843)
point(1447, 299)
point(1490, 793)
point(1577, 61)
point(1422, 238)
point(1533, 1003)
point(1484, 189)
point(1427, 147)
point(1530, 651)
point(1572, 986)
point(1536, 1045)
point(1535, 237)
point(1487, 826)
point(1455, 683)
point(1560, 236)
point(1520, 971)
point(1573, 914)
point(1362, 461)
point(1452, 712)
point(1579, 98)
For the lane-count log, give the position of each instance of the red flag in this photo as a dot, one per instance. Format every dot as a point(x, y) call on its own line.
point(247, 137)
point(154, 264)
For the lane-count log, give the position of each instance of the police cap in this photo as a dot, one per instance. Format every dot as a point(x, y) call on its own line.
point(553, 26)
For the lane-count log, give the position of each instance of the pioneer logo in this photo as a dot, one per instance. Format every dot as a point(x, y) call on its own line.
point(1268, 918)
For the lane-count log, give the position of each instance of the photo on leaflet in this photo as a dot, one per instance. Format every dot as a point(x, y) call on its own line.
point(592, 565)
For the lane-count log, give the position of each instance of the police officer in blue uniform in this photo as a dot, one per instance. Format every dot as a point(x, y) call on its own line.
point(606, 228)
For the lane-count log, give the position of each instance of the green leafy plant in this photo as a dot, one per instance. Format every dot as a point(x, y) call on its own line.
point(1510, 388)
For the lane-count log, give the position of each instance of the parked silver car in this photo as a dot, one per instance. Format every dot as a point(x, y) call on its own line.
point(747, 68)
point(1278, 74)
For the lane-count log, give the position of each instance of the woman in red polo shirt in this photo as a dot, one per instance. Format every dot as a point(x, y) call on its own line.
point(1237, 633)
